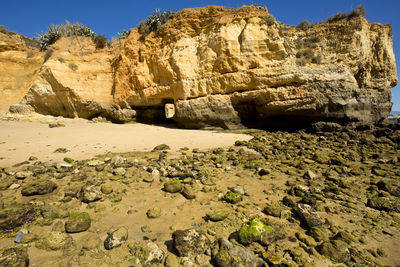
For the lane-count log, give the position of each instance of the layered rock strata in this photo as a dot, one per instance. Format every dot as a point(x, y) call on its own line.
point(225, 67)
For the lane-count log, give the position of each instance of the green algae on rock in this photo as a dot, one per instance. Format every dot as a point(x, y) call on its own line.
point(78, 222)
point(252, 230)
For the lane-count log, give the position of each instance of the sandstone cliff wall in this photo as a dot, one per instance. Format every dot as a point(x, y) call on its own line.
point(224, 67)
point(20, 61)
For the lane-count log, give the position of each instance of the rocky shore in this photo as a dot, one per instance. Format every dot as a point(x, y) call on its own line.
point(326, 196)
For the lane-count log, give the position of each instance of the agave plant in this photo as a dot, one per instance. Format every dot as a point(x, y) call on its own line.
point(50, 37)
point(123, 34)
point(55, 32)
point(154, 21)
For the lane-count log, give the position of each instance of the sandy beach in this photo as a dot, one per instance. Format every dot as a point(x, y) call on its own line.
point(83, 140)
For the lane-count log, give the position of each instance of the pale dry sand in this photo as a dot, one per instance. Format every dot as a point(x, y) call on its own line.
point(84, 140)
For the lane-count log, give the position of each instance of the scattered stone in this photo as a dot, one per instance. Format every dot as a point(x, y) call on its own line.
point(90, 241)
point(188, 192)
point(171, 261)
point(23, 174)
point(383, 203)
point(161, 148)
point(148, 254)
point(14, 257)
point(106, 189)
point(232, 197)
point(319, 233)
point(54, 240)
point(190, 242)
point(95, 162)
point(378, 172)
point(118, 160)
point(61, 150)
point(6, 182)
point(310, 175)
point(89, 193)
point(153, 213)
point(218, 215)
point(33, 158)
point(38, 187)
point(308, 240)
point(56, 125)
point(336, 250)
point(230, 255)
point(14, 186)
point(116, 238)
point(16, 215)
point(173, 186)
point(78, 222)
point(308, 216)
point(119, 171)
point(273, 209)
point(68, 160)
point(252, 230)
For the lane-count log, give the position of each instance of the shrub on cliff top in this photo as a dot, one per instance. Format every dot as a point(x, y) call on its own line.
point(55, 32)
point(3, 29)
point(358, 11)
point(100, 41)
point(123, 34)
point(154, 21)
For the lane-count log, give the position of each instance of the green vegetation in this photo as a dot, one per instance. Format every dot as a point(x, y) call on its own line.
point(55, 32)
point(270, 20)
point(154, 21)
point(48, 54)
point(303, 25)
point(124, 34)
point(100, 41)
point(358, 11)
point(252, 230)
point(3, 29)
point(73, 66)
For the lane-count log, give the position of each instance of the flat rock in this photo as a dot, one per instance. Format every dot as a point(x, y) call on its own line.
point(16, 215)
point(14, 257)
point(230, 255)
point(116, 238)
point(38, 187)
point(78, 222)
point(190, 242)
point(308, 215)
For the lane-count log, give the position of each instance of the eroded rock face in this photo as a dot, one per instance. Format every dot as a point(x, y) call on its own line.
point(224, 67)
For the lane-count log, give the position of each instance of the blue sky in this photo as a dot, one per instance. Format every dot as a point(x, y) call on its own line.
point(109, 17)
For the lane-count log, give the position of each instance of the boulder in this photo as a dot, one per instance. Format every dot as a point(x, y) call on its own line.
point(14, 257)
point(190, 242)
point(230, 255)
point(16, 215)
point(38, 187)
point(78, 222)
point(116, 238)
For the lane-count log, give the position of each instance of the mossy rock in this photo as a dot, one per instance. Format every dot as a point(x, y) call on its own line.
point(232, 197)
point(217, 215)
point(68, 160)
point(78, 222)
point(336, 251)
point(253, 164)
point(378, 172)
point(173, 186)
point(252, 230)
point(106, 189)
point(153, 213)
point(319, 233)
point(54, 240)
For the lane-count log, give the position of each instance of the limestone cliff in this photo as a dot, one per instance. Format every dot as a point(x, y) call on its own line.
point(20, 61)
point(227, 67)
